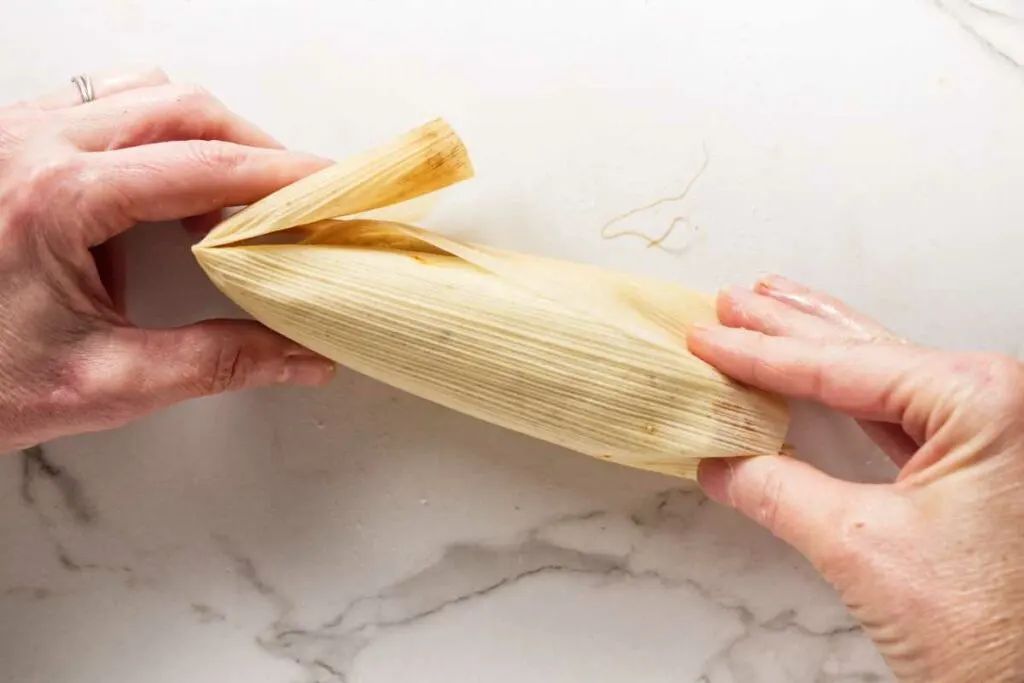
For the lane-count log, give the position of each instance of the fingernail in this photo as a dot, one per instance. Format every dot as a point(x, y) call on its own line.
point(317, 159)
point(307, 372)
point(714, 476)
point(776, 283)
point(302, 353)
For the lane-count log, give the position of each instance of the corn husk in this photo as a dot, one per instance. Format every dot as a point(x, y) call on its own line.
point(586, 358)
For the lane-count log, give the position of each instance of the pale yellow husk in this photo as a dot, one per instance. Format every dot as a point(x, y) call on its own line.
point(589, 359)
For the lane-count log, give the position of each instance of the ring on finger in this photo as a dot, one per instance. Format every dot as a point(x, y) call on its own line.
point(83, 84)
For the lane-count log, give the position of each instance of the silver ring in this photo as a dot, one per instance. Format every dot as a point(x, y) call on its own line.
point(84, 86)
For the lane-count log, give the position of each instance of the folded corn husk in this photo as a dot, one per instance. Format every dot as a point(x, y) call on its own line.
point(585, 358)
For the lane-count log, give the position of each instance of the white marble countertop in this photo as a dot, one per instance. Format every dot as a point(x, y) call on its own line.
point(872, 148)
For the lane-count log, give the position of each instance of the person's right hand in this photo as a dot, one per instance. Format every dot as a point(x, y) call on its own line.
point(932, 565)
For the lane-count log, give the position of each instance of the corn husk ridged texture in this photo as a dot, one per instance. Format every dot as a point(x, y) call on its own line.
point(578, 356)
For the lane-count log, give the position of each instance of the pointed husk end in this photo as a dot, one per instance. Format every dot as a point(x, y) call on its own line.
point(422, 161)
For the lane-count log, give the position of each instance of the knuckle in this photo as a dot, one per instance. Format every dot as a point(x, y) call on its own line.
point(85, 390)
point(215, 154)
point(193, 95)
point(196, 101)
point(999, 379)
point(157, 74)
point(40, 183)
point(76, 388)
point(769, 501)
point(52, 173)
point(761, 365)
point(228, 367)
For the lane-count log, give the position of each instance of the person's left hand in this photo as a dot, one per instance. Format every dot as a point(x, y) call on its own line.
point(74, 175)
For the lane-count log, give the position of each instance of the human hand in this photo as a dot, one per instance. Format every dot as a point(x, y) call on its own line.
point(72, 176)
point(932, 565)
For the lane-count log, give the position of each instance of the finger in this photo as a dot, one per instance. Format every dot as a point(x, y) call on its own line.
point(738, 307)
point(168, 180)
point(799, 504)
point(869, 381)
point(819, 305)
point(104, 84)
point(743, 308)
point(159, 114)
point(140, 371)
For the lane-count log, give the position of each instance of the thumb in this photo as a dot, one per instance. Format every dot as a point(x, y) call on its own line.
point(801, 505)
point(153, 369)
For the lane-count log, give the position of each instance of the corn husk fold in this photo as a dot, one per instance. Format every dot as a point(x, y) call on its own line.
point(586, 358)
